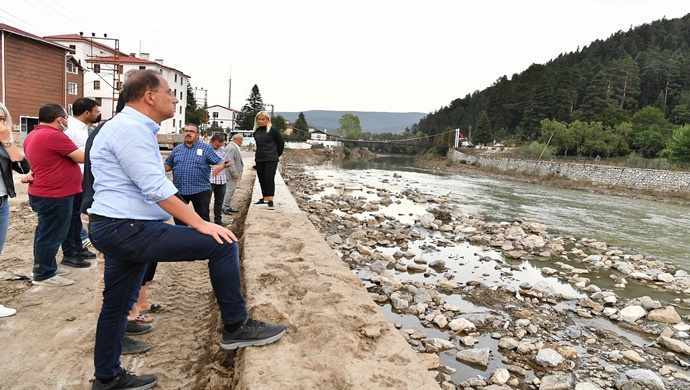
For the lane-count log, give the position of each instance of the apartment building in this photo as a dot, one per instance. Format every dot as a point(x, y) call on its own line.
point(105, 68)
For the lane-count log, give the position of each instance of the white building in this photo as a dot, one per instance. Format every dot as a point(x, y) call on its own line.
point(225, 117)
point(102, 82)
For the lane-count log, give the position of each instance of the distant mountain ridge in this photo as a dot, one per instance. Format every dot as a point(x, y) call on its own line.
point(373, 122)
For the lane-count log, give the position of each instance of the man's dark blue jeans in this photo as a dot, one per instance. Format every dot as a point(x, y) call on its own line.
point(128, 245)
point(54, 216)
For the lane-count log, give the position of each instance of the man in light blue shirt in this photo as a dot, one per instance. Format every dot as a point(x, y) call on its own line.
point(132, 199)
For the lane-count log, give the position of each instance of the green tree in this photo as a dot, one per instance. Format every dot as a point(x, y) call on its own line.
point(350, 127)
point(254, 105)
point(558, 136)
point(194, 114)
point(484, 134)
point(650, 131)
point(301, 122)
point(678, 146)
point(279, 122)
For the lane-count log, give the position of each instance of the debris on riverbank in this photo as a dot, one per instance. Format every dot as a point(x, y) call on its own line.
point(479, 321)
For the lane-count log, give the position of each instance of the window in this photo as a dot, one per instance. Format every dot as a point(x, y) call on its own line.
point(173, 123)
point(71, 68)
point(119, 85)
point(97, 84)
point(72, 88)
point(96, 68)
point(142, 67)
point(180, 96)
point(120, 69)
point(73, 47)
point(175, 77)
point(69, 109)
point(99, 101)
point(180, 110)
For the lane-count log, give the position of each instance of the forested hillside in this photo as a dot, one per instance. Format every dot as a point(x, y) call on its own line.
point(626, 92)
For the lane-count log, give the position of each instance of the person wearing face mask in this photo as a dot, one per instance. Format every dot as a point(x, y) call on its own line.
point(85, 113)
point(56, 179)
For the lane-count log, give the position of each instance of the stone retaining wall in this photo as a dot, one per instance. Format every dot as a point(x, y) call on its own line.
point(597, 174)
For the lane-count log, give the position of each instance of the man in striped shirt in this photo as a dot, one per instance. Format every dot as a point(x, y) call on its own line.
point(218, 181)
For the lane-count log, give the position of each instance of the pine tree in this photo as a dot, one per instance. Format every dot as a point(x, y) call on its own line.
point(301, 123)
point(253, 106)
point(484, 134)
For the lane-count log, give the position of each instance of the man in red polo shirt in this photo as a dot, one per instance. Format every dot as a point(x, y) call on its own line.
point(56, 180)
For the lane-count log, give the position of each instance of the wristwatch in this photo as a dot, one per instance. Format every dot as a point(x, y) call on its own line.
point(7, 144)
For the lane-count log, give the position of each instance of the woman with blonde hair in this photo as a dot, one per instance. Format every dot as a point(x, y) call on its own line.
point(269, 148)
point(11, 158)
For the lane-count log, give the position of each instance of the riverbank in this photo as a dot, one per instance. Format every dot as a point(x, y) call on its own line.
point(487, 311)
point(443, 164)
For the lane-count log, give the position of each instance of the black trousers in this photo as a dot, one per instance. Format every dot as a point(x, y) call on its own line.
point(218, 191)
point(266, 173)
point(200, 201)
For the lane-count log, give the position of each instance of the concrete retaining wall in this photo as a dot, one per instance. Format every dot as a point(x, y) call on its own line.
point(635, 178)
point(337, 338)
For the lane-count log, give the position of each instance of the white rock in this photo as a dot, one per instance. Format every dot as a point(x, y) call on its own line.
point(632, 313)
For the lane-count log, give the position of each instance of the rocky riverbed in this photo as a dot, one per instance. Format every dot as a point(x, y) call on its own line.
point(505, 305)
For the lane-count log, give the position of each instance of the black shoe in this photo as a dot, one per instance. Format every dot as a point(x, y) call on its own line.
point(75, 261)
point(134, 328)
point(131, 346)
point(227, 212)
point(252, 333)
point(86, 254)
point(126, 381)
point(270, 205)
point(261, 201)
point(231, 210)
point(221, 223)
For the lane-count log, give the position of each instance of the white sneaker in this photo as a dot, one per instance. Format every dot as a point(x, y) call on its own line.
point(55, 281)
point(62, 271)
point(6, 311)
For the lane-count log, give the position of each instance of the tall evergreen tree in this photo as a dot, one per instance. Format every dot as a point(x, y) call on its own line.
point(484, 134)
point(301, 122)
point(254, 105)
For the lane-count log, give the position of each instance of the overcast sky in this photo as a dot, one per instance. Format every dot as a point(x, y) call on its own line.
point(349, 55)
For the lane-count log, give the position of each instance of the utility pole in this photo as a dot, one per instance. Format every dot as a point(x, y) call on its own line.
point(229, 91)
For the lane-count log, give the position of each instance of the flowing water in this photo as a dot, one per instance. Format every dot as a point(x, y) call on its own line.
point(653, 228)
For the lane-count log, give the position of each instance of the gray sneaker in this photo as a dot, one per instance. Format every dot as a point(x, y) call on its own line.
point(55, 281)
point(126, 381)
point(252, 333)
point(134, 328)
point(131, 346)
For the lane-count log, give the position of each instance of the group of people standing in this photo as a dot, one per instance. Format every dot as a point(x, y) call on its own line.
point(128, 198)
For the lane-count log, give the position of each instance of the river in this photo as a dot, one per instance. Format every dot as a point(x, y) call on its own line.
point(653, 228)
point(633, 225)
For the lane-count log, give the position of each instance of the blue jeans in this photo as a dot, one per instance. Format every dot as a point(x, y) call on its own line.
point(71, 246)
point(54, 216)
point(128, 245)
point(4, 219)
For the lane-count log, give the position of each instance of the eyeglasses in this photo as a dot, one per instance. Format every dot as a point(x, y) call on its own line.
point(169, 92)
point(190, 131)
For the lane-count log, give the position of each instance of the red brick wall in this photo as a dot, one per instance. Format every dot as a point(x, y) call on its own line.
point(35, 75)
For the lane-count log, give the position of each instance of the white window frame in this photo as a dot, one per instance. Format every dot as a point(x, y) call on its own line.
point(72, 88)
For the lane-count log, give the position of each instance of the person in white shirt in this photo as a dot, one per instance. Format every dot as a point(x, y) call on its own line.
point(85, 113)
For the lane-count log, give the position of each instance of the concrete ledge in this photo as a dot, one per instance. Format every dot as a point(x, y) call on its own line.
point(337, 338)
